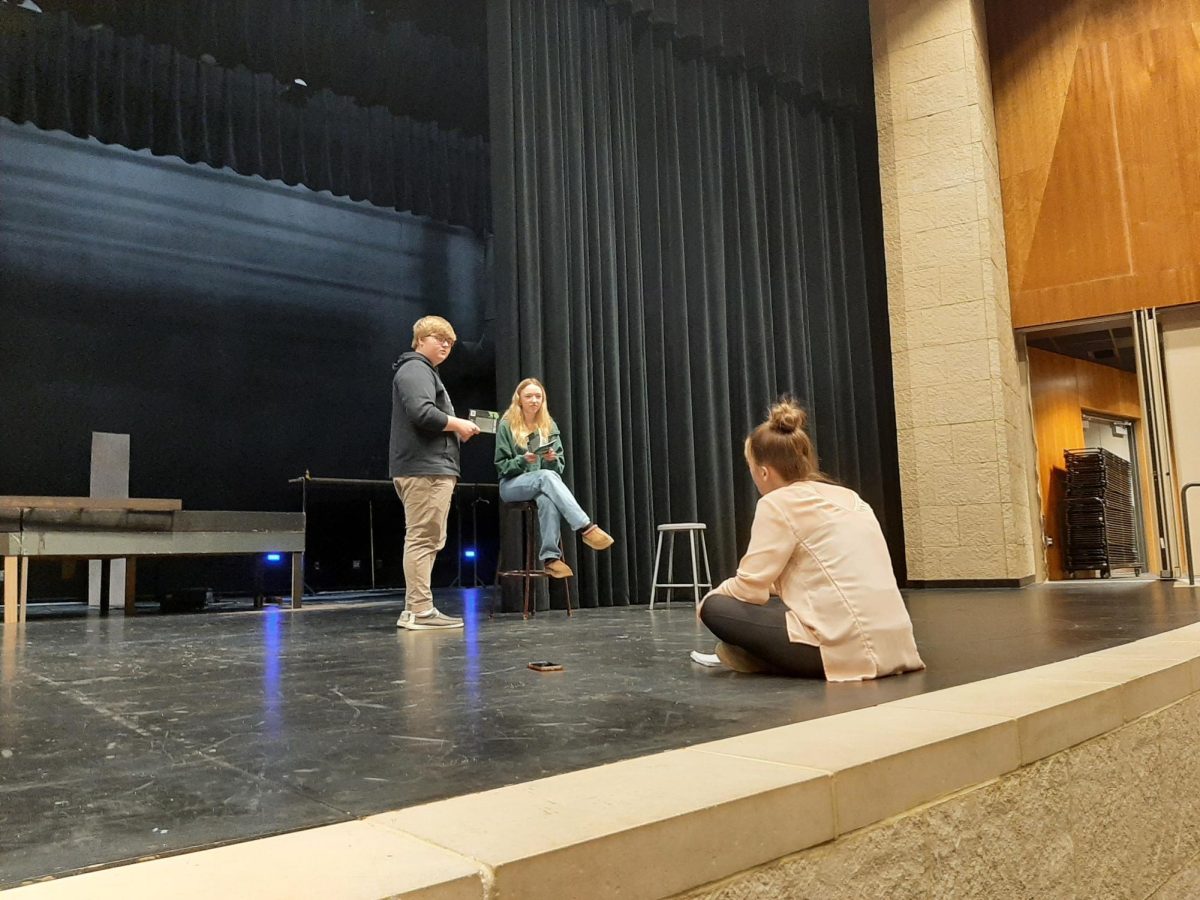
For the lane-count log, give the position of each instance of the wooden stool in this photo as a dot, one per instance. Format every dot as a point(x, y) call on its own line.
point(692, 529)
point(532, 568)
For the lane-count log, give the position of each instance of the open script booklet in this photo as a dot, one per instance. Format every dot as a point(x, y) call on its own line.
point(705, 659)
point(486, 419)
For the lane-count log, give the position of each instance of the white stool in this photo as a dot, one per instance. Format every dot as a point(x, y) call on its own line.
point(692, 529)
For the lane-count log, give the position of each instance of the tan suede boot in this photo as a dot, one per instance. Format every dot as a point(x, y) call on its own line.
point(597, 538)
point(734, 657)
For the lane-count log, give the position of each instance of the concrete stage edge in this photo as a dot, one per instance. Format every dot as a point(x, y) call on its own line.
point(833, 773)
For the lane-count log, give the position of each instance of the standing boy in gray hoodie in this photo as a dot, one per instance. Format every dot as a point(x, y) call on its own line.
point(423, 465)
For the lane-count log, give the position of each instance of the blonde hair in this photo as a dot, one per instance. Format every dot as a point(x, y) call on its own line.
point(782, 443)
point(427, 325)
point(515, 417)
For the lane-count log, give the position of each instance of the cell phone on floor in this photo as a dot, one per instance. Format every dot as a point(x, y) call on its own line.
point(545, 666)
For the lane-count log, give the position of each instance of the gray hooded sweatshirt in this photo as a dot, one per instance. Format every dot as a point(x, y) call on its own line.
point(420, 409)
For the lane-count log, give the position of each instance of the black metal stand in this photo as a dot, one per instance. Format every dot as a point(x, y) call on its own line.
point(308, 479)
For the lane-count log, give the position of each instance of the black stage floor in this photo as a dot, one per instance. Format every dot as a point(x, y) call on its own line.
point(122, 738)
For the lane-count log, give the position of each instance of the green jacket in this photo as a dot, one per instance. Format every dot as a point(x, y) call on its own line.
point(510, 456)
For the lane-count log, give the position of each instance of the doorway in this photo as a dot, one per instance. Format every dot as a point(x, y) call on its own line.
point(1085, 392)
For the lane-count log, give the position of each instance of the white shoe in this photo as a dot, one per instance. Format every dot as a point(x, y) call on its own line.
point(709, 660)
point(429, 621)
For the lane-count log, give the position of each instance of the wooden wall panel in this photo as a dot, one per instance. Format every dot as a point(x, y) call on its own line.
point(1158, 117)
point(1097, 104)
point(1067, 247)
point(1030, 83)
point(1108, 296)
point(1112, 20)
point(1062, 390)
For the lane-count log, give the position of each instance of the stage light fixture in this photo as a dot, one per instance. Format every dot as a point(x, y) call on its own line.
point(274, 557)
point(469, 554)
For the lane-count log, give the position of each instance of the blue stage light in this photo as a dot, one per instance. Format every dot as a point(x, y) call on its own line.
point(274, 557)
point(469, 554)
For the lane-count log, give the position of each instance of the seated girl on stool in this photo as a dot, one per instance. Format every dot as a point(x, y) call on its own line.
point(814, 595)
point(529, 461)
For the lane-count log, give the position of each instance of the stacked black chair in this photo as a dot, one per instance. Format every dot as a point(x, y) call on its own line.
point(1101, 526)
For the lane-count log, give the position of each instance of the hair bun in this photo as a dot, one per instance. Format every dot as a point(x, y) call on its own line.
point(787, 417)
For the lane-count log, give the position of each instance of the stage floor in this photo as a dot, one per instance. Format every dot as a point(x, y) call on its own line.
point(126, 738)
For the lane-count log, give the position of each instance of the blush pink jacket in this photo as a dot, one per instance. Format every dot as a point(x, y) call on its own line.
point(820, 548)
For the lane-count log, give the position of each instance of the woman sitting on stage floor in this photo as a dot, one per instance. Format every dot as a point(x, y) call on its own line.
point(529, 461)
point(814, 595)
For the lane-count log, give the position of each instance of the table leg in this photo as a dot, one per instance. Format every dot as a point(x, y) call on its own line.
point(11, 590)
point(297, 580)
point(23, 599)
point(11, 648)
point(105, 585)
point(131, 586)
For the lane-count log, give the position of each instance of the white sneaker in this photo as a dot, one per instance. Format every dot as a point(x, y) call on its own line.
point(429, 621)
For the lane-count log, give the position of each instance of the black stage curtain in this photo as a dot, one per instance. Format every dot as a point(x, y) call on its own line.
point(420, 58)
point(92, 82)
point(679, 240)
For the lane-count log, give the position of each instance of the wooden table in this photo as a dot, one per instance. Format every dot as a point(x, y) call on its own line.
point(128, 528)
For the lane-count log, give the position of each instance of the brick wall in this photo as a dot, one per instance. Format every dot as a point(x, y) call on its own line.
point(962, 413)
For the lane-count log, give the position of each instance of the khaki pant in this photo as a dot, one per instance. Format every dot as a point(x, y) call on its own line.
point(426, 500)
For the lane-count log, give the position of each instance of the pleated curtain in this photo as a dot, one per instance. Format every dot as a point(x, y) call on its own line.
point(123, 89)
point(680, 238)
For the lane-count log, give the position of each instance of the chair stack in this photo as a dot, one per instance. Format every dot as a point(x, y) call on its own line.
point(1101, 526)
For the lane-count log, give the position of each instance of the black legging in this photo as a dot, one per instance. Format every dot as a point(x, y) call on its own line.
point(762, 632)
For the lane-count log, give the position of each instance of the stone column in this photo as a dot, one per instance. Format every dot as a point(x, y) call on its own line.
point(962, 412)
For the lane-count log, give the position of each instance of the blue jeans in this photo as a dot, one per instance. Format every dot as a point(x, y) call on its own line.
point(553, 499)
